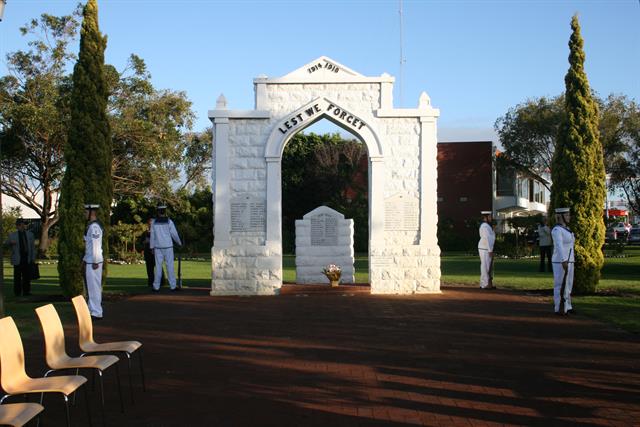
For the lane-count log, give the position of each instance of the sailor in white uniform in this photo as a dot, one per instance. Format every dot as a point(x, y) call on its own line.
point(163, 235)
point(485, 250)
point(563, 260)
point(93, 260)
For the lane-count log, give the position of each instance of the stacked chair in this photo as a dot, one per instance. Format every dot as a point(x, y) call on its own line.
point(14, 379)
point(58, 359)
point(97, 357)
point(89, 346)
point(18, 414)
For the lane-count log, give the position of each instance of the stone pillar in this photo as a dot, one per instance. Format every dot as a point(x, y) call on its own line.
point(222, 214)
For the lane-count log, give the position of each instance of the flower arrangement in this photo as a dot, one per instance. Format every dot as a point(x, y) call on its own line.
point(333, 273)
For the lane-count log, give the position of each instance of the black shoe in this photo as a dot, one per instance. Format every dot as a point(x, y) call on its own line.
point(154, 290)
point(572, 311)
point(96, 318)
point(176, 289)
point(560, 314)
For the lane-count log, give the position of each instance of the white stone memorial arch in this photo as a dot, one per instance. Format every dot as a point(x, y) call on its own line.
point(246, 257)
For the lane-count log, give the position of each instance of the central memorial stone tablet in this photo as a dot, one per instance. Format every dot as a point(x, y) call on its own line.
point(323, 236)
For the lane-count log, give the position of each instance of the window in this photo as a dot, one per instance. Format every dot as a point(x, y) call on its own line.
point(523, 188)
point(539, 191)
point(504, 184)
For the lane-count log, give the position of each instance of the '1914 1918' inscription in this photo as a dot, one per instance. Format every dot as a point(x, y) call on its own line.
point(327, 65)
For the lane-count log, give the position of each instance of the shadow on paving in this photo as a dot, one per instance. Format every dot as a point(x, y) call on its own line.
point(463, 357)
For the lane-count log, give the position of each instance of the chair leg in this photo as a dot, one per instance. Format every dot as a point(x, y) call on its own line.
point(66, 408)
point(41, 401)
point(119, 388)
point(144, 387)
point(129, 372)
point(104, 421)
point(86, 400)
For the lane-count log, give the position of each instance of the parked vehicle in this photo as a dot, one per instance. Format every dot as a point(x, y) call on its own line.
point(621, 227)
point(622, 230)
point(634, 236)
point(610, 235)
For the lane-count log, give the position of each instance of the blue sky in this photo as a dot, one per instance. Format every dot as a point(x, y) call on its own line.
point(475, 59)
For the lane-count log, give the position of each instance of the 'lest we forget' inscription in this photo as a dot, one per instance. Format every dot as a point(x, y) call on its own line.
point(324, 230)
point(248, 214)
point(336, 112)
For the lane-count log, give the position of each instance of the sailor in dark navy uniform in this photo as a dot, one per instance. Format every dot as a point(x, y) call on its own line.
point(163, 235)
point(93, 260)
point(563, 261)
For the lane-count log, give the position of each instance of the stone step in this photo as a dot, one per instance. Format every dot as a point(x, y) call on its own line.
point(321, 288)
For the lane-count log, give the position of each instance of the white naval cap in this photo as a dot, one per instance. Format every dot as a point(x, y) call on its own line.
point(91, 206)
point(563, 210)
point(486, 213)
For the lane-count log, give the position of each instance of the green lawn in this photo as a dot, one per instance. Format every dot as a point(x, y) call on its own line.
point(617, 300)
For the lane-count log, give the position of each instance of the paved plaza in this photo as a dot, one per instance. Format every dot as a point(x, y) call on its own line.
point(463, 357)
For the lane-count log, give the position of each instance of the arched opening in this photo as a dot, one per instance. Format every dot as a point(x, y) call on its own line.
point(325, 165)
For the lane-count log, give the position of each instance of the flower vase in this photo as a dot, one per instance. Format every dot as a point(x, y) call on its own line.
point(334, 279)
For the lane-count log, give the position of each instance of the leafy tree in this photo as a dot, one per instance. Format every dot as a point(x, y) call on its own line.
point(624, 132)
point(148, 125)
point(88, 153)
point(148, 128)
point(34, 117)
point(528, 133)
point(197, 159)
point(578, 169)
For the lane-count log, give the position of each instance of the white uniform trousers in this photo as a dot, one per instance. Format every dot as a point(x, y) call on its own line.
point(165, 254)
point(94, 289)
point(485, 267)
point(558, 275)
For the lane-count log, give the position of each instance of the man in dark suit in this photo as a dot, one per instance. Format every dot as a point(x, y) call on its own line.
point(23, 252)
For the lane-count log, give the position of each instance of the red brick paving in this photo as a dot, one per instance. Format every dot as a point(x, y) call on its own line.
point(461, 358)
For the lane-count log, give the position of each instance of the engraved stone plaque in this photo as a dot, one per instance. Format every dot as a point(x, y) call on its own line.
point(402, 213)
point(324, 230)
point(248, 214)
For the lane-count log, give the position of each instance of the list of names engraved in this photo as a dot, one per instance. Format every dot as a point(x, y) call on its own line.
point(324, 230)
point(401, 213)
point(248, 214)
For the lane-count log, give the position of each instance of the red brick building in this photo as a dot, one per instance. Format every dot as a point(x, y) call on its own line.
point(465, 185)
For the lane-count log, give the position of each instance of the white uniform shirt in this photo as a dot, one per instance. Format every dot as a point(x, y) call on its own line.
point(544, 233)
point(93, 244)
point(163, 234)
point(487, 237)
point(563, 243)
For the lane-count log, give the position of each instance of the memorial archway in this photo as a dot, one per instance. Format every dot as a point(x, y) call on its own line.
point(246, 256)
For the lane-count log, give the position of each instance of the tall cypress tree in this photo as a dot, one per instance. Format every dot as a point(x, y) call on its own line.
point(577, 170)
point(88, 153)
